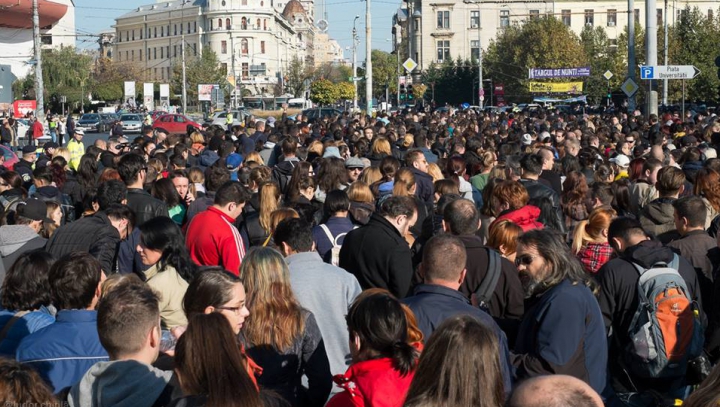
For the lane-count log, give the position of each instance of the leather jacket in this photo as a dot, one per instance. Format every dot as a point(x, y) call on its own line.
point(145, 206)
point(548, 201)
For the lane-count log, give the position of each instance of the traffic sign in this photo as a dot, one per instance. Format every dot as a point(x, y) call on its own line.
point(409, 65)
point(608, 75)
point(355, 78)
point(629, 87)
point(668, 72)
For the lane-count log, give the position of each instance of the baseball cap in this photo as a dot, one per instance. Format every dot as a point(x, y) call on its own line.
point(33, 208)
point(80, 132)
point(354, 162)
point(28, 149)
point(621, 160)
point(527, 139)
point(544, 135)
point(233, 161)
point(271, 121)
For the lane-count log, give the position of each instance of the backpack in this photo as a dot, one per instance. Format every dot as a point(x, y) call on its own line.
point(487, 287)
point(665, 332)
point(335, 251)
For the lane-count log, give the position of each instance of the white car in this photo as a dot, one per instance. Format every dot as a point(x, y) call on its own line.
point(22, 128)
point(132, 123)
point(219, 117)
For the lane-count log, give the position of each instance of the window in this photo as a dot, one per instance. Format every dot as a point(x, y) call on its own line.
point(162, 31)
point(534, 14)
point(211, 25)
point(659, 14)
point(504, 18)
point(194, 26)
point(175, 28)
point(244, 2)
point(162, 52)
point(637, 15)
point(223, 47)
point(155, 73)
point(46, 39)
point(188, 30)
point(219, 24)
point(133, 35)
point(175, 47)
point(443, 50)
point(257, 24)
point(243, 23)
point(224, 67)
point(590, 17)
point(611, 18)
point(227, 23)
point(162, 74)
point(154, 32)
point(443, 19)
point(168, 72)
point(244, 46)
point(148, 53)
point(132, 55)
point(245, 70)
point(127, 36)
point(194, 47)
point(167, 51)
point(262, 47)
point(475, 19)
point(141, 33)
point(474, 50)
point(140, 54)
point(265, 24)
point(613, 43)
point(566, 17)
point(154, 53)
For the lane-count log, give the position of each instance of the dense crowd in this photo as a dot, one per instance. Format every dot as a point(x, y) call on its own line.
point(415, 259)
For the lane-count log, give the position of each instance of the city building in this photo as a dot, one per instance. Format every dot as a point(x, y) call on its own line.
point(431, 31)
point(253, 39)
point(328, 51)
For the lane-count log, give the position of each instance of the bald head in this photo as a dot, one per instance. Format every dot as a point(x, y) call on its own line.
point(554, 391)
point(461, 217)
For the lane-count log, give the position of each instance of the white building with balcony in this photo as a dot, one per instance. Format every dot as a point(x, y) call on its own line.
point(435, 30)
point(252, 40)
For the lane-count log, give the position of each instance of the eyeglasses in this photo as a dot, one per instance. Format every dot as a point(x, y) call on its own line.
point(525, 260)
point(236, 310)
point(4, 184)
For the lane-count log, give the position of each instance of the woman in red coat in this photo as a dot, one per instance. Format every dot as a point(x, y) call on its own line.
point(384, 362)
point(509, 201)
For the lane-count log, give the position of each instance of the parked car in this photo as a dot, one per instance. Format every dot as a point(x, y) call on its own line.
point(174, 123)
point(107, 121)
point(10, 157)
point(131, 123)
point(88, 122)
point(321, 112)
point(219, 118)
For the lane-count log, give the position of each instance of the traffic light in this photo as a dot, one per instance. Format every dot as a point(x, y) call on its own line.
point(403, 92)
point(410, 95)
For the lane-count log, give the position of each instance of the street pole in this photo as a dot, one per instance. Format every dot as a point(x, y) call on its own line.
point(480, 58)
point(665, 52)
point(368, 56)
point(182, 50)
point(631, 51)
point(234, 72)
point(39, 97)
point(355, 84)
point(651, 53)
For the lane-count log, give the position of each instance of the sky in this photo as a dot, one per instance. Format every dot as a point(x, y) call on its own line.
point(94, 16)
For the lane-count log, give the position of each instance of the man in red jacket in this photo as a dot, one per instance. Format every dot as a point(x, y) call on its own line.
point(211, 238)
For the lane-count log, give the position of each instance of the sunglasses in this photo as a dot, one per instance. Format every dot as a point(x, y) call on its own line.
point(525, 260)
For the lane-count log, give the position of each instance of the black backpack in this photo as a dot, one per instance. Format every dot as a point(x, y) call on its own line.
point(487, 287)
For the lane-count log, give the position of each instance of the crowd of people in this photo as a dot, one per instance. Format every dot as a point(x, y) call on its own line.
point(415, 259)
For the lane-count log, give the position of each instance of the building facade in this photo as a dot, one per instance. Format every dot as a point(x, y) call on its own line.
point(434, 30)
point(253, 41)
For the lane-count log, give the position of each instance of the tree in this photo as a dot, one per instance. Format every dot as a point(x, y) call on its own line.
point(539, 43)
point(346, 90)
point(109, 78)
point(333, 72)
point(324, 92)
point(297, 75)
point(384, 72)
point(198, 70)
point(596, 44)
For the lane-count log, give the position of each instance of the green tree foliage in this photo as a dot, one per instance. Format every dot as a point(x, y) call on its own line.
point(384, 72)
point(539, 43)
point(601, 58)
point(109, 78)
point(296, 76)
point(324, 92)
point(333, 72)
point(202, 69)
point(452, 81)
point(345, 90)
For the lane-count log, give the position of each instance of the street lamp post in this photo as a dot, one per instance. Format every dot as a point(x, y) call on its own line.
point(368, 57)
point(354, 50)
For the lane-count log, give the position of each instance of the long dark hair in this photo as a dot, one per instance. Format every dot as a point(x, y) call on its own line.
point(332, 174)
point(161, 233)
point(164, 190)
point(379, 321)
point(87, 172)
point(211, 287)
point(460, 366)
point(210, 363)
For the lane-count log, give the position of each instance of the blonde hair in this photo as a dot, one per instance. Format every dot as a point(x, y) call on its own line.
point(254, 156)
point(371, 175)
point(50, 227)
point(381, 146)
point(196, 175)
point(269, 194)
point(276, 318)
point(590, 230)
point(280, 215)
point(316, 147)
point(435, 172)
point(63, 152)
point(360, 192)
point(404, 182)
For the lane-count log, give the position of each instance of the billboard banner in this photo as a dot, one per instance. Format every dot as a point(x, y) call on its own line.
point(149, 96)
point(22, 107)
point(205, 92)
point(544, 73)
point(164, 91)
point(129, 89)
point(555, 87)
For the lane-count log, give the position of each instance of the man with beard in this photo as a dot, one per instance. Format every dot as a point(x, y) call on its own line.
point(562, 331)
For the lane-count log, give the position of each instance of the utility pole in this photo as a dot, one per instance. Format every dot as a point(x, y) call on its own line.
point(665, 52)
point(651, 53)
point(232, 55)
point(631, 51)
point(184, 74)
point(40, 111)
point(368, 57)
point(355, 43)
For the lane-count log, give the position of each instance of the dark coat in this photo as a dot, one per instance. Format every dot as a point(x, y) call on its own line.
point(657, 219)
point(144, 205)
point(548, 201)
point(93, 234)
point(25, 170)
point(618, 300)
point(554, 179)
point(424, 182)
point(562, 332)
point(378, 255)
point(507, 302)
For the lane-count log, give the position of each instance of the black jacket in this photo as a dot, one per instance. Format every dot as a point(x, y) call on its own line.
point(618, 300)
point(554, 179)
point(144, 205)
point(378, 255)
point(424, 182)
point(25, 170)
point(74, 190)
point(548, 201)
point(42, 161)
point(93, 234)
point(282, 173)
point(657, 219)
point(507, 302)
point(249, 226)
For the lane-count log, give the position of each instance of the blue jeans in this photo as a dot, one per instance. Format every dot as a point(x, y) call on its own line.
point(53, 136)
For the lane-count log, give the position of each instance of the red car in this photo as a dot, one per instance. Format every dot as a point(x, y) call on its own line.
point(174, 123)
point(10, 157)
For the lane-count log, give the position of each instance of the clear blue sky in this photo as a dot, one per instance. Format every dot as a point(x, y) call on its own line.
point(93, 16)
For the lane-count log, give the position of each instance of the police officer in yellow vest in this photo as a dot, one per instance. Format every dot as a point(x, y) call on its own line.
point(76, 148)
point(229, 120)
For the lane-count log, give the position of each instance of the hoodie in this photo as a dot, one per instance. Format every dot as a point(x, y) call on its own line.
point(657, 218)
point(207, 158)
point(123, 383)
point(49, 193)
point(18, 239)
